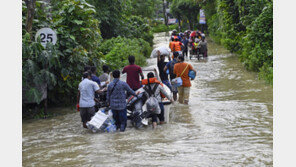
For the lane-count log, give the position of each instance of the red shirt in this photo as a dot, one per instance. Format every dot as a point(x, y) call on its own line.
point(132, 77)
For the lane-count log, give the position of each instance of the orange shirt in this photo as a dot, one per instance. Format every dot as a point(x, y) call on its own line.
point(179, 68)
point(171, 46)
point(177, 46)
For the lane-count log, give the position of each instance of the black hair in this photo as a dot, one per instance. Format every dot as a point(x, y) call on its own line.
point(131, 59)
point(93, 69)
point(86, 74)
point(150, 75)
point(176, 54)
point(86, 68)
point(181, 57)
point(105, 68)
point(172, 38)
point(116, 74)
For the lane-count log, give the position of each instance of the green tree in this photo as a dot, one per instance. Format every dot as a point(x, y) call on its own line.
point(188, 9)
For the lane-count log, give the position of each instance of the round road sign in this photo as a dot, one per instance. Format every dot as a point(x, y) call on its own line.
point(46, 35)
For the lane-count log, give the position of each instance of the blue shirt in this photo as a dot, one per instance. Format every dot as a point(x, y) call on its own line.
point(171, 69)
point(96, 79)
point(185, 42)
point(87, 90)
point(118, 96)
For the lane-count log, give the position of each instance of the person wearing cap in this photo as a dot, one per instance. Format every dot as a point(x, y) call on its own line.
point(181, 69)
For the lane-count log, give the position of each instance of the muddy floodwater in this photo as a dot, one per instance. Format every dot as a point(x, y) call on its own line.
point(228, 122)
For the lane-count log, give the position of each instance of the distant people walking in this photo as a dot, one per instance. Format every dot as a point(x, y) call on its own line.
point(185, 42)
point(203, 48)
point(171, 44)
point(170, 66)
point(85, 97)
point(177, 46)
point(163, 74)
point(133, 71)
point(116, 96)
point(183, 90)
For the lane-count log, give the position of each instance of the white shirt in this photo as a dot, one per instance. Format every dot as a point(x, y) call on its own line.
point(87, 90)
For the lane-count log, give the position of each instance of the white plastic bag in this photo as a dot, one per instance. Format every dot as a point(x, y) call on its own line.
point(97, 121)
point(152, 105)
point(164, 50)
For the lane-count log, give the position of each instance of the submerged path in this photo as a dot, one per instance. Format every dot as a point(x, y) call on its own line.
point(228, 122)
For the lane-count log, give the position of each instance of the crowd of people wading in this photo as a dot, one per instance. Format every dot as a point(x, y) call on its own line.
point(173, 83)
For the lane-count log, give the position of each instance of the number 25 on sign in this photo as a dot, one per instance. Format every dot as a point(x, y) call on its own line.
point(46, 35)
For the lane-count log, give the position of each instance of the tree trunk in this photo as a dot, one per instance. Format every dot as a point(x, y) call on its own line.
point(164, 13)
point(179, 22)
point(190, 24)
point(31, 4)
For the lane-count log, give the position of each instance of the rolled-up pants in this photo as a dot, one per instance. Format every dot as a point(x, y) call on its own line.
point(160, 116)
point(183, 93)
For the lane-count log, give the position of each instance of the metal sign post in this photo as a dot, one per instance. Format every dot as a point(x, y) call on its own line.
point(46, 35)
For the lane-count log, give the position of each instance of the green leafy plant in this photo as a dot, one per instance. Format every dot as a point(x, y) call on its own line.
point(245, 28)
point(117, 50)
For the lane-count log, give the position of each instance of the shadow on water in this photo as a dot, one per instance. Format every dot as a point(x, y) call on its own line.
point(228, 122)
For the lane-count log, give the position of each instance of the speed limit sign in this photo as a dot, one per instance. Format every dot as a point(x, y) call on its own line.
point(46, 35)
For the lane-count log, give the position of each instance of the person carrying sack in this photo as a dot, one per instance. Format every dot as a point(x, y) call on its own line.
point(182, 69)
point(154, 104)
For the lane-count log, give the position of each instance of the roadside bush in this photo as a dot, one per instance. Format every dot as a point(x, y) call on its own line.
point(164, 28)
point(245, 28)
point(160, 28)
point(117, 50)
point(257, 54)
point(137, 27)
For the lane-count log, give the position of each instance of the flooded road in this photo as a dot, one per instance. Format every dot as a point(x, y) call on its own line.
point(228, 122)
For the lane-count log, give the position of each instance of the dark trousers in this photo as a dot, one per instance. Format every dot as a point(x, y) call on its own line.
point(160, 116)
point(120, 118)
point(185, 53)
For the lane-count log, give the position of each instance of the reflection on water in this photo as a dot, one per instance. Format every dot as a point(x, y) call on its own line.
point(228, 122)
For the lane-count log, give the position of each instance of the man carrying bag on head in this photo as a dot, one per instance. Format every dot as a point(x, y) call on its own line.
point(182, 69)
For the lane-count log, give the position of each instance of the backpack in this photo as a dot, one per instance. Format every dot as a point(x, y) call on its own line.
point(171, 69)
point(152, 105)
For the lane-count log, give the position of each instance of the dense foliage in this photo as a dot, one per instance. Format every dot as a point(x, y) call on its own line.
point(186, 10)
point(117, 50)
point(61, 65)
point(164, 28)
point(245, 28)
point(124, 18)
